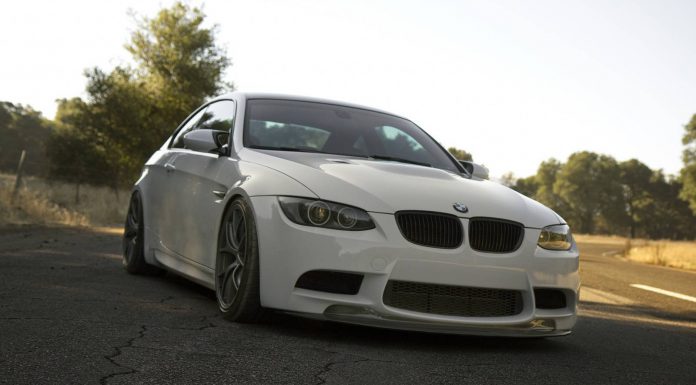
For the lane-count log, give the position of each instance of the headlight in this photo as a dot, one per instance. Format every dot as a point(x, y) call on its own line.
point(556, 237)
point(317, 213)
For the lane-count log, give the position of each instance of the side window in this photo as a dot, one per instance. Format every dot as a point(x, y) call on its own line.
point(179, 139)
point(218, 116)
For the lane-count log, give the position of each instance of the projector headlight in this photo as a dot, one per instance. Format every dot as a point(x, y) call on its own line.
point(318, 213)
point(555, 237)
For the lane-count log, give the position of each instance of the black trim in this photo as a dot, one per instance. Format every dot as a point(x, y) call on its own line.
point(409, 237)
point(550, 298)
point(336, 282)
point(488, 219)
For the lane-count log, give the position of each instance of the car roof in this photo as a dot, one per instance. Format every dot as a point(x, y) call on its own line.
point(268, 95)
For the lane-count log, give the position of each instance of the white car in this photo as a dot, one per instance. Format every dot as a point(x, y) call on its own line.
point(346, 213)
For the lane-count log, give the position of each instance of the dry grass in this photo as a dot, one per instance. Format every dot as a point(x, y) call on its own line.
point(603, 239)
point(679, 254)
point(42, 201)
point(665, 253)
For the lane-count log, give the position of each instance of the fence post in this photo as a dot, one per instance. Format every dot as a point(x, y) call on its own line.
point(18, 178)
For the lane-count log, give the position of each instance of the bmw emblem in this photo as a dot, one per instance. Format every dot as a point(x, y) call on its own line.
point(461, 207)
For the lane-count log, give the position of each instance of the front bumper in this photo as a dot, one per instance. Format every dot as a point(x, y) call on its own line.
point(288, 250)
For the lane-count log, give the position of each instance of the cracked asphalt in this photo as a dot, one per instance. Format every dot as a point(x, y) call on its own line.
point(70, 314)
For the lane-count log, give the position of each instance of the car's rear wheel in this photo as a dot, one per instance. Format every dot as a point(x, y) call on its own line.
point(134, 239)
point(237, 265)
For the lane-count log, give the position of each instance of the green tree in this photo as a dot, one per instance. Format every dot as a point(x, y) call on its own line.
point(668, 217)
point(545, 179)
point(128, 112)
point(527, 186)
point(635, 178)
point(22, 128)
point(460, 154)
point(179, 60)
point(688, 173)
point(589, 184)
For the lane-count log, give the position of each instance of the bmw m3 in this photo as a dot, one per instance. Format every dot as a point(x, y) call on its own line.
point(347, 213)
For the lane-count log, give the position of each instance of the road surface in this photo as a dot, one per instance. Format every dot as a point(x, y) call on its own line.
point(70, 314)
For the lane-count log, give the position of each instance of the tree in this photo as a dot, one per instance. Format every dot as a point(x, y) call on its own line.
point(635, 178)
point(589, 185)
point(527, 186)
point(688, 173)
point(128, 112)
point(545, 179)
point(460, 154)
point(22, 128)
point(508, 179)
point(178, 59)
point(668, 217)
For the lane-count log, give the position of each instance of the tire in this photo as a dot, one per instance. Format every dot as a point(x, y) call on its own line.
point(134, 239)
point(237, 265)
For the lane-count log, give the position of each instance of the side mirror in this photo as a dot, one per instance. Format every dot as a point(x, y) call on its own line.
point(477, 170)
point(203, 140)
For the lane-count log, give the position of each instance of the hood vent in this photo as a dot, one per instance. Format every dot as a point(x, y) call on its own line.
point(495, 235)
point(430, 229)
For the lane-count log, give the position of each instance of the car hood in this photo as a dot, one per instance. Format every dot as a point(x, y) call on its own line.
point(388, 187)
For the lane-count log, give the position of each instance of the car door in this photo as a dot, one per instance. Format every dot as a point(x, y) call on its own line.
point(162, 205)
point(199, 182)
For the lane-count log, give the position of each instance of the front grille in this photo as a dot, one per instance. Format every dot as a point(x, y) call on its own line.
point(495, 235)
point(452, 300)
point(430, 229)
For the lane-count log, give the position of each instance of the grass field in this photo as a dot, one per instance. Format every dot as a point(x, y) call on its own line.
point(42, 201)
point(679, 254)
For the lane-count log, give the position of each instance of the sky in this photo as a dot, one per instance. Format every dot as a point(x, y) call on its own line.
point(513, 82)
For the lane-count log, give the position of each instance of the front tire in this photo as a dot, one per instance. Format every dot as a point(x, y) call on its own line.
point(237, 265)
point(134, 239)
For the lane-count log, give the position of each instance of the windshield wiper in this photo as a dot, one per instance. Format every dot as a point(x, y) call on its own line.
point(402, 160)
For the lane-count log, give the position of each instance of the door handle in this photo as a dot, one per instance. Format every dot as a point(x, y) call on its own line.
point(169, 167)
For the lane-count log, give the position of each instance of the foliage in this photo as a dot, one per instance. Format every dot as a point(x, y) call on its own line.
point(688, 173)
point(461, 154)
point(22, 128)
point(129, 111)
point(596, 194)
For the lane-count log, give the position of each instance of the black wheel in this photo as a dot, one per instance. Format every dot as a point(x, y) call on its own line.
point(133, 240)
point(237, 265)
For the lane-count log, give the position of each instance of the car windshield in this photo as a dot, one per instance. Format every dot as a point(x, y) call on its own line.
point(289, 125)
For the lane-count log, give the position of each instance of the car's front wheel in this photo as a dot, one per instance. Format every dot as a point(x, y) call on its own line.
point(237, 265)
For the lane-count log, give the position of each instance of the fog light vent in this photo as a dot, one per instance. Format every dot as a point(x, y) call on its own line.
point(330, 281)
point(549, 299)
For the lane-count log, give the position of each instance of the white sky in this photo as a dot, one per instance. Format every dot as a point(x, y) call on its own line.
point(513, 82)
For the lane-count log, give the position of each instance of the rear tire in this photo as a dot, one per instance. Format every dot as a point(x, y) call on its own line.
point(134, 239)
point(237, 287)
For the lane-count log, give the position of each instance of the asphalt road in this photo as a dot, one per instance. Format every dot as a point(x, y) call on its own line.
point(70, 314)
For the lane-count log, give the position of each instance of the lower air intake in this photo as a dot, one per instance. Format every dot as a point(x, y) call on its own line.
point(336, 282)
point(459, 301)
